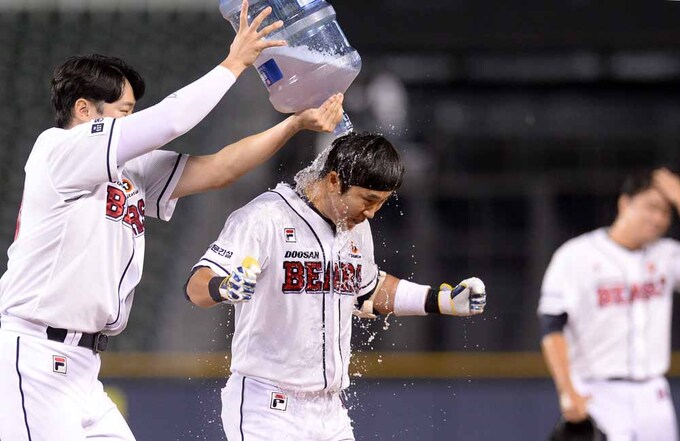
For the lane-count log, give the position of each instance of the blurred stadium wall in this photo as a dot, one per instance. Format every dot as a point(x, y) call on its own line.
point(517, 121)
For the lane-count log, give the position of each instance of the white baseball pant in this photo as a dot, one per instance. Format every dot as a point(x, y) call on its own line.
point(50, 390)
point(632, 410)
point(256, 411)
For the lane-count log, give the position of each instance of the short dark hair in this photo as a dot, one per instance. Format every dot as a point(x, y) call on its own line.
point(637, 182)
point(95, 77)
point(366, 160)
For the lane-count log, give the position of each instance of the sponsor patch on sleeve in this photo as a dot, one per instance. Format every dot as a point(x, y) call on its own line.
point(97, 127)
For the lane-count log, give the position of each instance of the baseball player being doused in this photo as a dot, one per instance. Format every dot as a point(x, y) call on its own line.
point(296, 263)
point(78, 254)
point(605, 308)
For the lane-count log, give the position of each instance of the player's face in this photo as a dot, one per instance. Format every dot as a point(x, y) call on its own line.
point(648, 214)
point(123, 106)
point(355, 205)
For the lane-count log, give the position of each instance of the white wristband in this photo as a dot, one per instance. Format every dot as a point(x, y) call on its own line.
point(409, 298)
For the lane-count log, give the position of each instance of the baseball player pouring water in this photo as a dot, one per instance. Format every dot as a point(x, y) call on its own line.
point(297, 263)
point(79, 246)
point(605, 308)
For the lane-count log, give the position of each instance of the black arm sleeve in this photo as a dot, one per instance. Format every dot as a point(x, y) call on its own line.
point(553, 323)
point(186, 284)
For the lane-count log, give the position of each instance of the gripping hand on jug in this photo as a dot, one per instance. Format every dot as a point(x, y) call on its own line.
point(250, 40)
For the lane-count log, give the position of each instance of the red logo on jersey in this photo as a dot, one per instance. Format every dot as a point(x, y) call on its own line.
point(354, 250)
point(616, 294)
point(310, 277)
point(59, 364)
point(117, 209)
point(289, 234)
point(278, 401)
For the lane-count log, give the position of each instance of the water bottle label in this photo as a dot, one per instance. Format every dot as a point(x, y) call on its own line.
point(270, 72)
point(304, 3)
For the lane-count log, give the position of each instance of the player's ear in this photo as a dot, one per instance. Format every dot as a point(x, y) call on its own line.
point(333, 182)
point(82, 111)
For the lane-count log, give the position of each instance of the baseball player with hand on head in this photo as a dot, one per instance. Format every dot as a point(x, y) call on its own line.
point(296, 264)
point(605, 309)
point(79, 246)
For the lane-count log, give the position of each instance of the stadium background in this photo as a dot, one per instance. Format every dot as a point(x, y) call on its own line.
point(517, 121)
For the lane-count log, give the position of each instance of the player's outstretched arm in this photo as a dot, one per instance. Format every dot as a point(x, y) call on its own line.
point(402, 297)
point(215, 171)
point(151, 128)
point(206, 289)
point(555, 352)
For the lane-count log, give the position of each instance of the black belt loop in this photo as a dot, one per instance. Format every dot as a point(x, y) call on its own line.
point(97, 342)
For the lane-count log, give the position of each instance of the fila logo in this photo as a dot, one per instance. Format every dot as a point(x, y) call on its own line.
point(279, 401)
point(59, 364)
point(289, 234)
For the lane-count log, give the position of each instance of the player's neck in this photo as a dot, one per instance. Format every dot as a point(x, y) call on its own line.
point(314, 195)
point(618, 234)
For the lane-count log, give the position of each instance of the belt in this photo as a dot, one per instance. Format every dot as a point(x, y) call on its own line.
point(628, 379)
point(97, 342)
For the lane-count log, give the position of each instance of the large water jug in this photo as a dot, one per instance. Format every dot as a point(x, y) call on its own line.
point(318, 61)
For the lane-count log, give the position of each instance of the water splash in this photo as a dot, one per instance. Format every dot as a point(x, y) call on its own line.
point(386, 324)
point(309, 174)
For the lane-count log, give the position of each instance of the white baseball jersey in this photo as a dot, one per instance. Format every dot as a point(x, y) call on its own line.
point(619, 304)
point(79, 249)
point(295, 332)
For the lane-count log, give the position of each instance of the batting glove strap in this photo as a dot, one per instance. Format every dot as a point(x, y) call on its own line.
point(214, 288)
point(466, 298)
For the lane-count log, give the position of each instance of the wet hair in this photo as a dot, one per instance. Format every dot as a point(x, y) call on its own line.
point(637, 182)
point(95, 77)
point(366, 160)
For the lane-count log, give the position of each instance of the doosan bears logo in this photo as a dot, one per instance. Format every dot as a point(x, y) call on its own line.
point(619, 293)
point(117, 207)
point(311, 277)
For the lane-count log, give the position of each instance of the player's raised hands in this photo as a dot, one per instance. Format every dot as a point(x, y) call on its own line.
point(669, 184)
point(239, 286)
point(250, 40)
point(323, 118)
point(465, 299)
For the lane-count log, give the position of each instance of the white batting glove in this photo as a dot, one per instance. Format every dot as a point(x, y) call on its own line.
point(239, 286)
point(465, 299)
